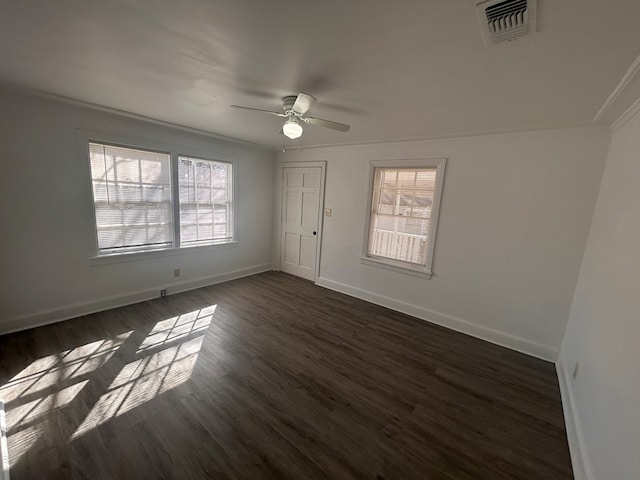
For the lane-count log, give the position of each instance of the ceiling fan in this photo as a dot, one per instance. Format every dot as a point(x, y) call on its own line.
point(295, 106)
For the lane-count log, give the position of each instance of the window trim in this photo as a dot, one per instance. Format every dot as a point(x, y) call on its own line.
point(121, 257)
point(175, 150)
point(395, 265)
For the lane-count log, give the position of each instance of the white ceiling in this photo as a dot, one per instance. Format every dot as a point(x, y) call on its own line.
point(392, 69)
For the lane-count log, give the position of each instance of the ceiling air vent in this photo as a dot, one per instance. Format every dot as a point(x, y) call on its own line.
point(506, 19)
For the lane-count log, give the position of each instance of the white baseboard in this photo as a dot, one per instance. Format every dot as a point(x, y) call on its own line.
point(79, 309)
point(513, 342)
point(577, 448)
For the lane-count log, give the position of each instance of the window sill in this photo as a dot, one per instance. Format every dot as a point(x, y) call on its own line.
point(108, 259)
point(415, 272)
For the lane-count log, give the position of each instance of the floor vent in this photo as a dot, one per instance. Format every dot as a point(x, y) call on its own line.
point(506, 20)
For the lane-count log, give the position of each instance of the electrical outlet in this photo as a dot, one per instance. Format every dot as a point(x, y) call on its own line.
point(176, 272)
point(575, 370)
point(163, 293)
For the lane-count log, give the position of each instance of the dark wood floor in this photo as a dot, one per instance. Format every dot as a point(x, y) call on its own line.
point(273, 377)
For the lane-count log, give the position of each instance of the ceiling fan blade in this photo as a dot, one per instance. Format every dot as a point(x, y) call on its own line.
point(277, 114)
point(341, 127)
point(303, 103)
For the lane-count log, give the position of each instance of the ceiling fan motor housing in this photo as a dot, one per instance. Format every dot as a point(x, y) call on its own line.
point(288, 101)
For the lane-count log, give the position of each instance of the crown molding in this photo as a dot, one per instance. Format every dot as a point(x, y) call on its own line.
point(626, 79)
point(451, 136)
point(626, 116)
point(123, 113)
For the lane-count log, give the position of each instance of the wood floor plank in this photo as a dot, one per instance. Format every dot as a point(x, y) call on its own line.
point(272, 377)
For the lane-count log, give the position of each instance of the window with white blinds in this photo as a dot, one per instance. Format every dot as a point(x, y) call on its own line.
point(205, 201)
point(404, 202)
point(145, 202)
point(132, 197)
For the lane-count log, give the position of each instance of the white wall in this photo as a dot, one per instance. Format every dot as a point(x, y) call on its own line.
point(46, 215)
point(603, 332)
point(515, 216)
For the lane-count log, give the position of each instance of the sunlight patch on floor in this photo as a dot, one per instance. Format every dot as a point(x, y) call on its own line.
point(178, 327)
point(29, 412)
point(47, 384)
point(52, 370)
point(169, 354)
point(142, 380)
point(20, 442)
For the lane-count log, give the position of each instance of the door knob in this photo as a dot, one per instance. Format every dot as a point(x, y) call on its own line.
point(314, 232)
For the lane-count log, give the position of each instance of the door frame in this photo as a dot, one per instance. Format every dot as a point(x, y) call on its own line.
point(277, 216)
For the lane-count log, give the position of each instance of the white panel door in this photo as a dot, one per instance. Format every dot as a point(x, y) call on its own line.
point(300, 215)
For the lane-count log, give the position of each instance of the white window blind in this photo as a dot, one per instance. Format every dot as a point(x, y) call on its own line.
point(132, 196)
point(205, 201)
point(402, 200)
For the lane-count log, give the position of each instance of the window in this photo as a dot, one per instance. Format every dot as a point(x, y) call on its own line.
point(205, 201)
point(403, 210)
point(132, 196)
point(134, 190)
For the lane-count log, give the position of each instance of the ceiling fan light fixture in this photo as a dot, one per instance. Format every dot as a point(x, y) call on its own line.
point(292, 129)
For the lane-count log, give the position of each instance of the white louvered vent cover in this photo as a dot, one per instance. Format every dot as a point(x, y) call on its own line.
point(507, 19)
